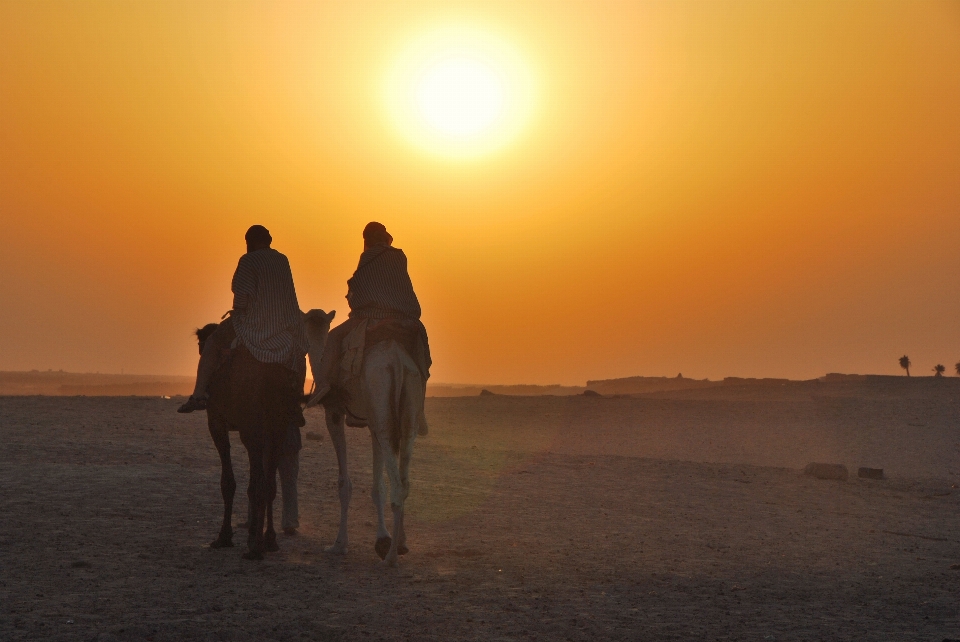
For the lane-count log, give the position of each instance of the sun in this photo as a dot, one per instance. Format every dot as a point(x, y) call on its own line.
point(459, 91)
point(460, 97)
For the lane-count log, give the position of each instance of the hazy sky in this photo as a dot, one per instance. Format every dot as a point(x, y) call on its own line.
point(713, 188)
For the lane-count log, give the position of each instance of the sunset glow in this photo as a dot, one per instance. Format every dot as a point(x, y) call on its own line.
point(584, 190)
point(458, 91)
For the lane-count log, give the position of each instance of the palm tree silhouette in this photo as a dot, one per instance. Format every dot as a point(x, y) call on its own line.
point(905, 363)
point(958, 367)
point(938, 370)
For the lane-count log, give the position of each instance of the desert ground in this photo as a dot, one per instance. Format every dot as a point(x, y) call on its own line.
point(670, 516)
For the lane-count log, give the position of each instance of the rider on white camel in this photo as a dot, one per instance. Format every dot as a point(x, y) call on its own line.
point(379, 289)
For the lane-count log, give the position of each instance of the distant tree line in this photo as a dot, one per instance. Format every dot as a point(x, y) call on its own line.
point(938, 369)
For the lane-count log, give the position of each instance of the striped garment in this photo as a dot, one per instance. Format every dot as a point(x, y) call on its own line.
point(266, 314)
point(381, 286)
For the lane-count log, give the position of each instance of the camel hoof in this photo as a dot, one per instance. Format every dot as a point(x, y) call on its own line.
point(392, 561)
point(289, 532)
point(270, 544)
point(242, 525)
point(402, 550)
point(382, 546)
point(222, 542)
point(336, 549)
point(252, 555)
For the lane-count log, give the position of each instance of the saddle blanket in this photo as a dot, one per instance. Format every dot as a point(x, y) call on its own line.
point(250, 394)
point(412, 337)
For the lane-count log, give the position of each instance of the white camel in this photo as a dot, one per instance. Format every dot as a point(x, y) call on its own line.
point(393, 391)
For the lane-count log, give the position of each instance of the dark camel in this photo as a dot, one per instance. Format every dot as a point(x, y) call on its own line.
point(220, 433)
point(263, 450)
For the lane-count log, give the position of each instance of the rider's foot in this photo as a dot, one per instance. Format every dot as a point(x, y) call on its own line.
point(193, 403)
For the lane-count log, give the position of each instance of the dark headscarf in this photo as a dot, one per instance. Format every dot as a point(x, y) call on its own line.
point(376, 234)
point(259, 235)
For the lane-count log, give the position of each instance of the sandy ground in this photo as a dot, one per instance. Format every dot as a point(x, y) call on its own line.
point(678, 517)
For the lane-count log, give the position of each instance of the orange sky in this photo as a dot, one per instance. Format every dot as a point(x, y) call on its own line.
point(719, 188)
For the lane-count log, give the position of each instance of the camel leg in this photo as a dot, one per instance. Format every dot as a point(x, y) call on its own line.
point(411, 402)
point(400, 478)
point(228, 484)
point(338, 438)
point(406, 453)
point(397, 492)
point(378, 494)
point(399, 484)
point(399, 489)
point(394, 390)
point(270, 543)
point(392, 558)
point(289, 469)
point(410, 415)
point(256, 493)
point(271, 452)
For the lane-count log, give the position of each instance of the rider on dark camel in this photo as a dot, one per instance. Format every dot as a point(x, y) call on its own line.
point(265, 319)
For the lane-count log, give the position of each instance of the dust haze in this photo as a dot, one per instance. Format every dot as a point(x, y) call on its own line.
point(668, 514)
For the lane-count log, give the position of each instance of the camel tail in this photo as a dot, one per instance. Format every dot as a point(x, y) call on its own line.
point(397, 427)
point(406, 403)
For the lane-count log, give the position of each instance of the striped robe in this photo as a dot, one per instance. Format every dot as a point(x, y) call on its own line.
point(381, 286)
point(266, 314)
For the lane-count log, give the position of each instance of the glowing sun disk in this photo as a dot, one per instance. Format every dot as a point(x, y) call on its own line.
point(459, 92)
point(460, 97)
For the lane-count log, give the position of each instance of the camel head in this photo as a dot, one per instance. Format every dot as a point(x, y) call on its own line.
point(204, 333)
point(317, 323)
